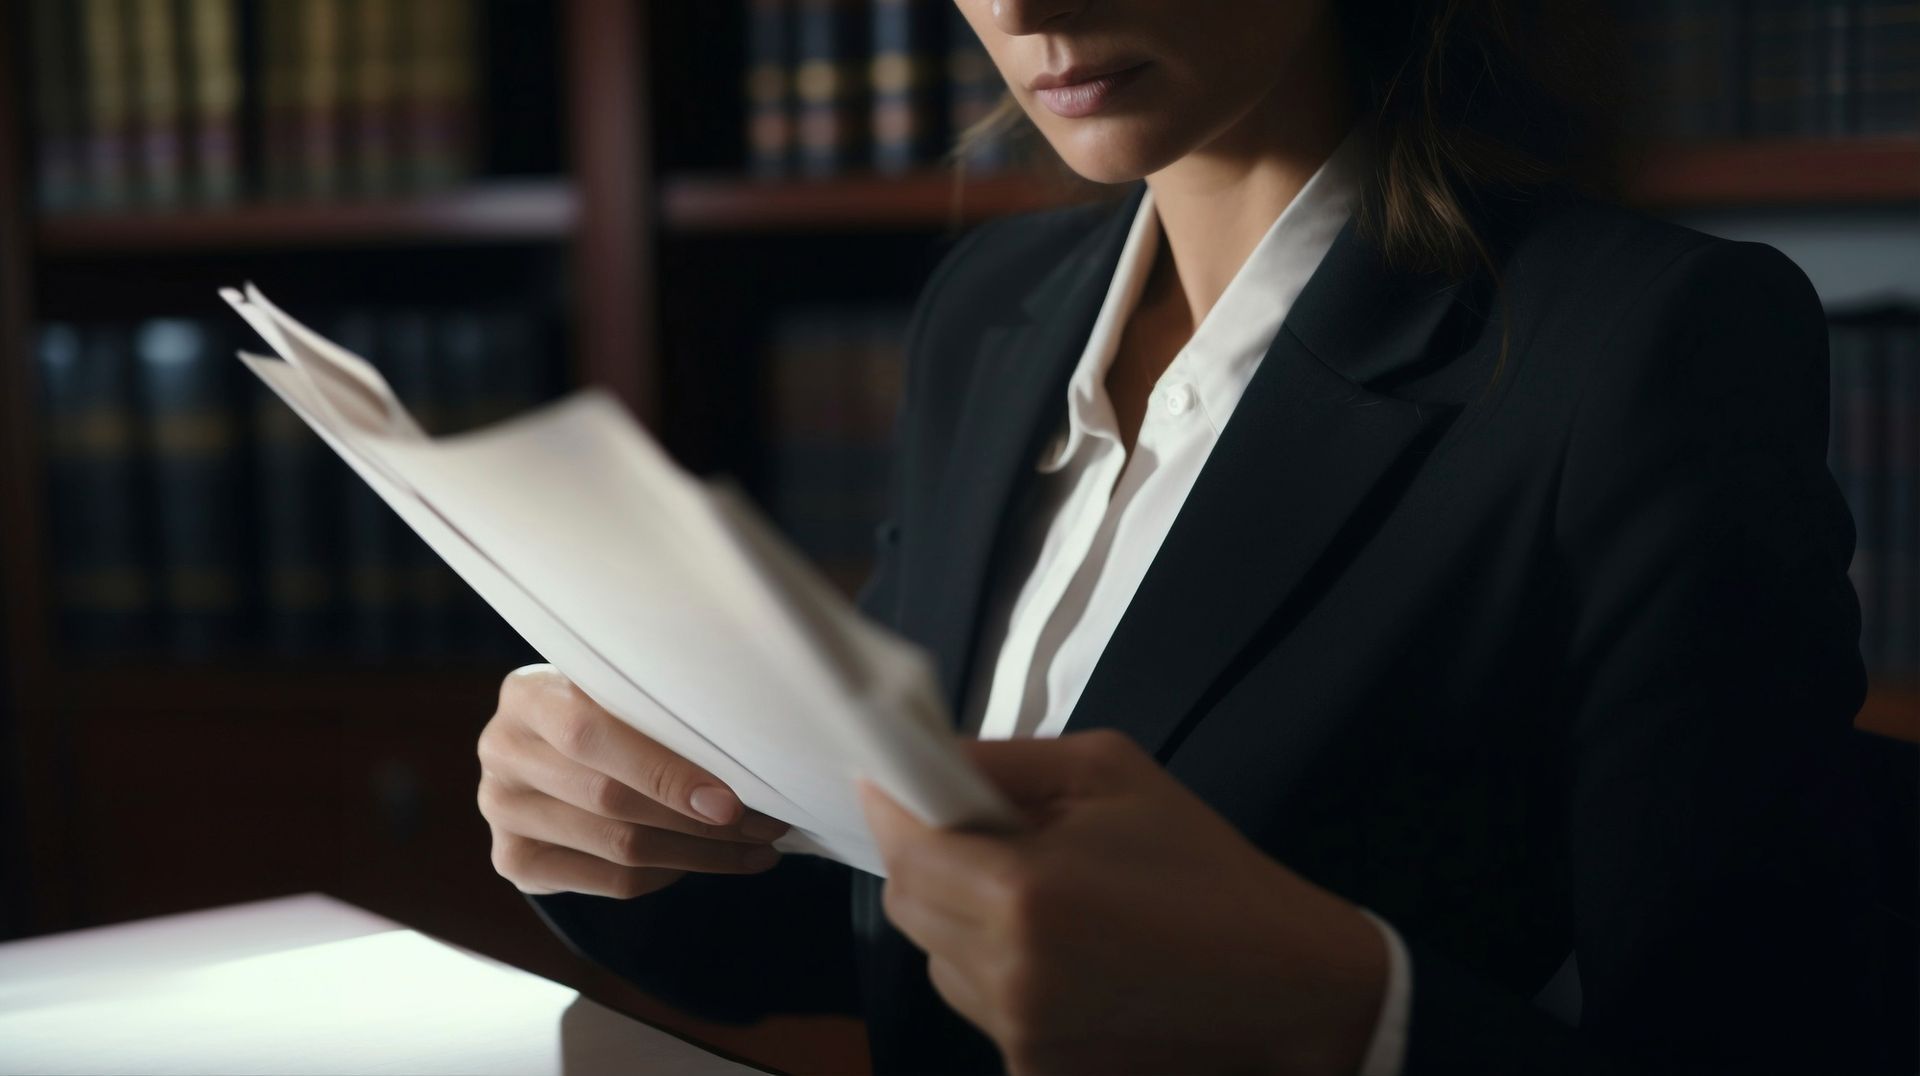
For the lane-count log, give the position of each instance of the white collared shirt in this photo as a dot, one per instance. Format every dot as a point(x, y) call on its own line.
point(1100, 513)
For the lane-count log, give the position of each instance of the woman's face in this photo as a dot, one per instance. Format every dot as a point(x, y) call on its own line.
point(1123, 88)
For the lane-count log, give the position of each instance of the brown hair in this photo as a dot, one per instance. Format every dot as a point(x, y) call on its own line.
point(1472, 105)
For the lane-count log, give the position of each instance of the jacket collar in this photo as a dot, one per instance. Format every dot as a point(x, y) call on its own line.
point(1307, 449)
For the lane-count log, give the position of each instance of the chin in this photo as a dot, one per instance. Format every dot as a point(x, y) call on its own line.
point(1114, 153)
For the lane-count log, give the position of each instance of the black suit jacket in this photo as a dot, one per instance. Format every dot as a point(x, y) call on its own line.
point(1545, 654)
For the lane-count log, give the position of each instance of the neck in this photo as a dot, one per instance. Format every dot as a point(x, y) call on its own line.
point(1216, 202)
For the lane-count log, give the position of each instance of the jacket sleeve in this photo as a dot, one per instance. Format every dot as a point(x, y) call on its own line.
point(1711, 676)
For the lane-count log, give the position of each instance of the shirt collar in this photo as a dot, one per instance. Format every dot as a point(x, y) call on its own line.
point(1228, 344)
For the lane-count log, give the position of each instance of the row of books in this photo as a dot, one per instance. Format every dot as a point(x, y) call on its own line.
point(829, 389)
point(836, 86)
point(1771, 68)
point(162, 103)
point(193, 515)
point(1875, 456)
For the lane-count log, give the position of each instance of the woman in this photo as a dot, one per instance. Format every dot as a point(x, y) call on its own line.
point(1382, 571)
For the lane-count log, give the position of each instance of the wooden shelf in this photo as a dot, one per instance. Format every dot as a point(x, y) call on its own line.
point(266, 687)
point(1733, 173)
point(1782, 172)
point(864, 202)
point(506, 212)
point(1892, 712)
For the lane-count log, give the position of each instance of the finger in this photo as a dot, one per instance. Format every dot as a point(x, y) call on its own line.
point(584, 732)
point(542, 818)
point(952, 984)
point(539, 766)
point(929, 926)
point(1038, 772)
point(952, 872)
point(546, 868)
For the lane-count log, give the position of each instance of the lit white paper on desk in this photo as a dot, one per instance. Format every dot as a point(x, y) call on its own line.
point(666, 600)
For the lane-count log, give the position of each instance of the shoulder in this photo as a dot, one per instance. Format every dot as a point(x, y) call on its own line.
point(1614, 271)
point(991, 270)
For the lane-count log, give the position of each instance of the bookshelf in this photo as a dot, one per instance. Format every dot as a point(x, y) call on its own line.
point(506, 212)
point(672, 257)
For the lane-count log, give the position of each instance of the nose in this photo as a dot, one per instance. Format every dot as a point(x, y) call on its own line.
point(1016, 17)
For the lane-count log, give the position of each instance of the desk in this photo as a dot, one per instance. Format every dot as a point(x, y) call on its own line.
point(304, 984)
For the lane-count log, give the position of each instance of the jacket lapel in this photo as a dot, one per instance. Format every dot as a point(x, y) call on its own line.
point(1018, 384)
point(1306, 466)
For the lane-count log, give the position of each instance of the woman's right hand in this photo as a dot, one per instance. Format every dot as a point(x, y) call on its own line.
point(579, 801)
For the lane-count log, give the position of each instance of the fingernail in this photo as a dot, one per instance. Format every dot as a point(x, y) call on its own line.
point(760, 857)
point(715, 804)
point(761, 828)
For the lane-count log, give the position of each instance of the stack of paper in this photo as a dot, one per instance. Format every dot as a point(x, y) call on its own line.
point(667, 601)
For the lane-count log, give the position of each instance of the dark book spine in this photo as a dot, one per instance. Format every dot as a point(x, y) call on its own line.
point(371, 533)
point(1837, 63)
point(428, 587)
point(102, 592)
point(901, 84)
point(373, 98)
point(831, 387)
point(829, 85)
point(1887, 78)
point(213, 100)
point(1900, 657)
point(279, 106)
point(769, 87)
point(974, 89)
point(1785, 51)
point(295, 479)
point(59, 116)
point(193, 446)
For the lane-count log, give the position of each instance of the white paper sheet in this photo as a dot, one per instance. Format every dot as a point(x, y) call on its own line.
point(667, 601)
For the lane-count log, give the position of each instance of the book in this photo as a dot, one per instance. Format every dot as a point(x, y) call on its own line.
point(769, 87)
point(158, 121)
point(59, 113)
point(667, 600)
point(100, 588)
point(297, 531)
point(213, 101)
point(901, 83)
point(109, 104)
point(1887, 78)
point(192, 441)
point(829, 85)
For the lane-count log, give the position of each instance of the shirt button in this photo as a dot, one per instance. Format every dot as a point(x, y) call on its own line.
point(1179, 399)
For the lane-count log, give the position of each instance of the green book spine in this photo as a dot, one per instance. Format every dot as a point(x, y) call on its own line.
point(158, 124)
point(109, 105)
point(213, 100)
point(59, 116)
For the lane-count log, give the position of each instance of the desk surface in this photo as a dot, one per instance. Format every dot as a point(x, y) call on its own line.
point(304, 984)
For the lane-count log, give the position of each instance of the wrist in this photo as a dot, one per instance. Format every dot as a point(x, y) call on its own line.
point(1340, 969)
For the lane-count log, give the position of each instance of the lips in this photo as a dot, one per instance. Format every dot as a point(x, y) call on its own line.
point(1082, 91)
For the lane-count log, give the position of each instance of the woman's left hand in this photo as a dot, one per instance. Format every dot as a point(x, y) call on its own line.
point(1129, 927)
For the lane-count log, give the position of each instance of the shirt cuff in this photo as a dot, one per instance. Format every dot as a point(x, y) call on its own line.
point(1387, 1049)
